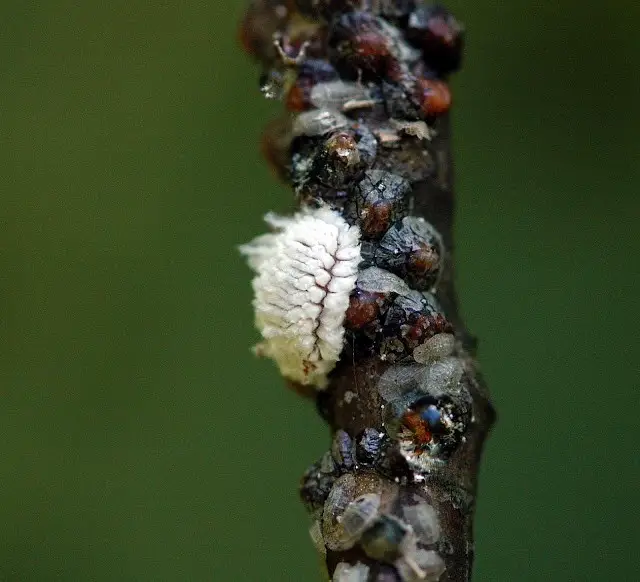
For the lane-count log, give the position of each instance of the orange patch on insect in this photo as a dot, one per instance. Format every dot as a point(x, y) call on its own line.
point(433, 96)
point(418, 428)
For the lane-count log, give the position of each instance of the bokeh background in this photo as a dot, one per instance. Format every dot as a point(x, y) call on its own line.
point(140, 440)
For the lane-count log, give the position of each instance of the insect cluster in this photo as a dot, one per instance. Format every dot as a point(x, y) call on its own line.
point(354, 276)
point(353, 505)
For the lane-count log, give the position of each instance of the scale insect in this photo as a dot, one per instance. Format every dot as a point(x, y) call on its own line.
point(305, 272)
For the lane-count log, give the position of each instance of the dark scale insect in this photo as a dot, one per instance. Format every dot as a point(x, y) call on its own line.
point(369, 446)
point(398, 101)
point(367, 143)
point(342, 451)
point(332, 162)
point(411, 249)
point(410, 321)
point(317, 481)
point(370, 300)
point(439, 35)
point(372, 448)
point(345, 156)
point(380, 200)
point(420, 98)
point(338, 162)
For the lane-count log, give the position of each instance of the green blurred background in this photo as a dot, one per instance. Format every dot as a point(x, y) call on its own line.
point(140, 440)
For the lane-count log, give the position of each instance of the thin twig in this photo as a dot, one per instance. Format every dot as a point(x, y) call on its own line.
point(394, 498)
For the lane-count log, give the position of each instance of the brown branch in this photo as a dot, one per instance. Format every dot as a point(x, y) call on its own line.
point(409, 417)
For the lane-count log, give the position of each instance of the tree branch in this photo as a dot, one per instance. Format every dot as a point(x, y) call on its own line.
point(395, 497)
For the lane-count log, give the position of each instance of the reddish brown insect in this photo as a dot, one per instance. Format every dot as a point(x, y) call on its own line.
point(364, 308)
point(423, 326)
point(359, 45)
point(433, 96)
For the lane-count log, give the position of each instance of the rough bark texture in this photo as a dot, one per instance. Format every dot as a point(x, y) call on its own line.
point(393, 58)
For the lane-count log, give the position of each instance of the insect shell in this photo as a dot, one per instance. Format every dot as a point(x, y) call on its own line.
point(351, 573)
point(305, 272)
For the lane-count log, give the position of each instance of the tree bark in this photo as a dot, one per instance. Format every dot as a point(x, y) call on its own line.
point(403, 468)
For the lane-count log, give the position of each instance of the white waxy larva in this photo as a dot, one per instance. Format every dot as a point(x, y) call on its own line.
point(305, 272)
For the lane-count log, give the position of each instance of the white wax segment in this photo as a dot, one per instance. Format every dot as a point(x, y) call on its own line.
point(305, 272)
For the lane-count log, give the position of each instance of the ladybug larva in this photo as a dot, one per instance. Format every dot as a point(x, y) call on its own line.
point(305, 272)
